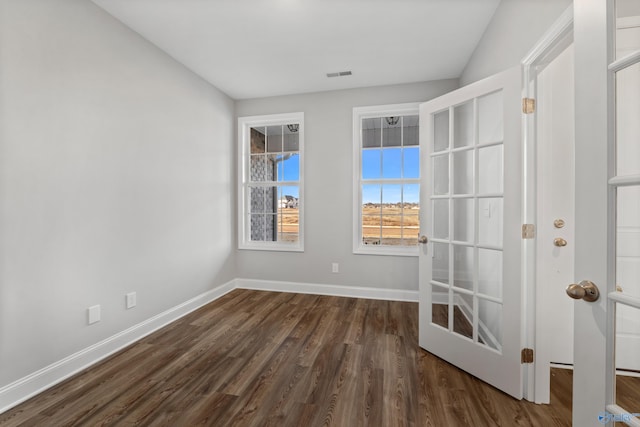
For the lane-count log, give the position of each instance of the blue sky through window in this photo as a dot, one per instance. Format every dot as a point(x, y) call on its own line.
point(388, 163)
point(289, 170)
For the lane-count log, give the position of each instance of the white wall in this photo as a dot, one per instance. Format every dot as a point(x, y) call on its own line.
point(115, 176)
point(516, 26)
point(328, 192)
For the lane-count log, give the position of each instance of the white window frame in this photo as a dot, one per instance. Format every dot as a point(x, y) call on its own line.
point(244, 152)
point(360, 113)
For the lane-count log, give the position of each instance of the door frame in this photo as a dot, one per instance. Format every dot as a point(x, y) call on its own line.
point(557, 38)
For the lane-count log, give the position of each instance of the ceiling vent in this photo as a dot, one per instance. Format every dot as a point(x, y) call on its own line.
point(339, 74)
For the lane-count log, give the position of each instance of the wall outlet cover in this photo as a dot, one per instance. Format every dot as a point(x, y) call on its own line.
point(93, 314)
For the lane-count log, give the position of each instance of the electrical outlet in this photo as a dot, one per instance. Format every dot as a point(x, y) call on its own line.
point(335, 267)
point(93, 314)
point(131, 300)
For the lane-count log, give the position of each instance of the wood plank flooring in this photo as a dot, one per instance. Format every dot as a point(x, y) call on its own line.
point(255, 358)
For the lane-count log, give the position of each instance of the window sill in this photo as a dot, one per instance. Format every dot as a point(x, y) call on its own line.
point(272, 248)
point(387, 251)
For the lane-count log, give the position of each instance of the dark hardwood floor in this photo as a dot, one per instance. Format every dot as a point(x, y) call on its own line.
point(256, 358)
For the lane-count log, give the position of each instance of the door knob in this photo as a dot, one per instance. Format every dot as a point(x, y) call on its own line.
point(585, 290)
point(423, 240)
point(558, 223)
point(560, 242)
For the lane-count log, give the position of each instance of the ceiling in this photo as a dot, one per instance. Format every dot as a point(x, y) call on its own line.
point(259, 48)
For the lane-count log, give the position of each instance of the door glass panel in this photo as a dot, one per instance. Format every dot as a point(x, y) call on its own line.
point(627, 36)
point(627, 123)
point(441, 262)
point(490, 118)
point(628, 357)
point(440, 306)
point(490, 323)
point(440, 219)
point(441, 174)
point(490, 272)
point(463, 264)
point(441, 131)
point(490, 174)
point(463, 314)
point(463, 125)
point(627, 148)
point(490, 221)
point(628, 241)
point(463, 220)
point(463, 172)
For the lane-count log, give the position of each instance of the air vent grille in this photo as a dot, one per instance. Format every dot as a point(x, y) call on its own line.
point(339, 74)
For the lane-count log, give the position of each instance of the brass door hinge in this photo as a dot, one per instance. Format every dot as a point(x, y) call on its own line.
point(528, 231)
point(526, 356)
point(528, 105)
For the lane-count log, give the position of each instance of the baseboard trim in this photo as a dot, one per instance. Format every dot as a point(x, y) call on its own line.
point(27, 387)
point(331, 290)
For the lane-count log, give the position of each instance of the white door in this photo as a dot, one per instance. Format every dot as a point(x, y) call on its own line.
point(470, 292)
point(607, 202)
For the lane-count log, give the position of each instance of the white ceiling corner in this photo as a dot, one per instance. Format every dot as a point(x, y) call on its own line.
point(258, 48)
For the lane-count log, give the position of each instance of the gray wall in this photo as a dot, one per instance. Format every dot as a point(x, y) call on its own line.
point(115, 176)
point(328, 191)
point(514, 29)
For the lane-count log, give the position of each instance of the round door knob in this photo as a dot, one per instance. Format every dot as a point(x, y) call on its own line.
point(560, 242)
point(423, 240)
point(585, 290)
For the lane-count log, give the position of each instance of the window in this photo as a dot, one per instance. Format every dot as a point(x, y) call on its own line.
point(386, 180)
point(270, 182)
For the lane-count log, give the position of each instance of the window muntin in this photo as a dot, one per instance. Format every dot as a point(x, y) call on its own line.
point(271, 182)
point(386, 180)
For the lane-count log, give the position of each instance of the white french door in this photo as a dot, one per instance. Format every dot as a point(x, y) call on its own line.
point(607, 210)
point(471, 201)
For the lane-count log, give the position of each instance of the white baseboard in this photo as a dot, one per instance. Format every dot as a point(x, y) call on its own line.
point(332, 290)
point(27, 387)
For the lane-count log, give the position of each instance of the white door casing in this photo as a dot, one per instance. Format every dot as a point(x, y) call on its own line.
point(555, 175)
point(543, 129)
point(471, 199)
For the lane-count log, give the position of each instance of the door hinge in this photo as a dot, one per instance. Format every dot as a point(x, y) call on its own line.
point(526, 356)
point(528, 231)
point(528, 105)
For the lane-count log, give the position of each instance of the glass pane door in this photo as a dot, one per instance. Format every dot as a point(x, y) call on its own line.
point(625, 375)
point(467, 202)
